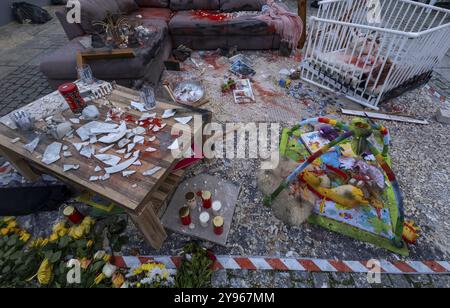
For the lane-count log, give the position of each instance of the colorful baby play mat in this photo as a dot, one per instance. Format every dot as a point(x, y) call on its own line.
point(368, 223)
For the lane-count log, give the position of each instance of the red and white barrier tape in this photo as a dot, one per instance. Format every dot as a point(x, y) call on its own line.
point(303, 265)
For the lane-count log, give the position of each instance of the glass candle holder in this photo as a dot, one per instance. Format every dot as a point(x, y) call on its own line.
point(148, 97)
point(218, 223)
point(73, 215)
point(206, 198)
point(191, 200)
point(204, 219)
point(23, 120)
point(216, 208)
point(85, 74)
point(185, 216)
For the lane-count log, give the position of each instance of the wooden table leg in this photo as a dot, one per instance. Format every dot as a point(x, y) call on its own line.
point(20, 164)
point(150, 226)
point(302, 14)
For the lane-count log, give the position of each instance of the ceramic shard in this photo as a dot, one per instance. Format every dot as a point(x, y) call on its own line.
point(113, 138)
point(122, 166)
point(71, 167)
point(30, 147)
point(107, 159)
point(51, 153)
point(106, 149)
point(183, 120)
point(152, 171)
point(169, 113)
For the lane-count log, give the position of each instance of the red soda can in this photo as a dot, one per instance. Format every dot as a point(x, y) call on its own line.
point(73, 97)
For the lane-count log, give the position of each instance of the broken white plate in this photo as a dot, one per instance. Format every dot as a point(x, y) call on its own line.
point(67, 154)
point(128, 173)
point(87, 151)
point(65, 148)
point(93, 139)
point(139, 130)
point(79, 146)
point(122, 166)
point(128, 155)
point(122, 143)
point(75, 120)
point(139, 139)
point(183, 120)
point(105, 149)
point(138, 106)
point(150, 150)
point(30, 147)
point(130, 147)
point(15, 140)
point(114, 137)
point(94, 178)
point(152, 171)
point(51, 153)
point(122, 151)
point(85, 131)
point(137, 163)
point(107, 159)
point(151, 139)
point(98, 169)
point(71, 167)
point(137, 153)
point(174, 145)
point(147, 116)
point(168, 113)
point(105, 177)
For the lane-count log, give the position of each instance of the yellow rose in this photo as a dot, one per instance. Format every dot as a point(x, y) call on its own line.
point(12, 224)
point(59, 226)
point(4, 231)
point(53, 237)
point(62, 232)
point(118, 280)
point(99, 278)
point(45, 272)
point(89, 243)
point(76, 232)
point(8, 219)
point(25, 237)
point(85, 263)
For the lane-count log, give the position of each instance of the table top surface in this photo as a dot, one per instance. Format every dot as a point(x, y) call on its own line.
point(129, 192)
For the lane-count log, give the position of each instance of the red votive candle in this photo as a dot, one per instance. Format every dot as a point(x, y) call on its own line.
point(73, 215)
point(206, 198)
point(218, 225)
point(185, 216)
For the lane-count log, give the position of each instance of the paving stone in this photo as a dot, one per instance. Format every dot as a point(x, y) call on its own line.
point(219, 279)
point(420, 281)
point(321, 280)
point(282, 280)
point(239, 283)
point(360, 281)
point(342, 280)
point(441, 281)
point(400, 281)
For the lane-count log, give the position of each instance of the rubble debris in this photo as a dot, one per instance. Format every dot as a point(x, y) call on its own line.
point(152, 171)
point(383, 116)
point(443, 116)
point(51, 153)
point(30, 147)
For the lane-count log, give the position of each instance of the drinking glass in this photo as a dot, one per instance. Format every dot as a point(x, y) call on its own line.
point(85, 74)
point(148, 97)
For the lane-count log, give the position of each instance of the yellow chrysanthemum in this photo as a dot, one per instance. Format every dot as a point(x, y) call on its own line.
point(76, 232)
point(62, 232)
point(88, 221)
point(53, 238)
point(4, 231)
point(45, 272)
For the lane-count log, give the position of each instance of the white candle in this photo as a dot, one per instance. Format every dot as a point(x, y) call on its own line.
point(204, 219)
point(216, 208)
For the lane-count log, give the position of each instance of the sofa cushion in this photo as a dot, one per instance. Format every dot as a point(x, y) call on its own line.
point(241, 5)
point(154, 13)
point(185, 5)
point(127, 6)
point(153, 3)
point(96, 10)
point(191, 23)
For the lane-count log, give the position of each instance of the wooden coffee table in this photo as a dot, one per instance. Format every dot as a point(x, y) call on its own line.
point(141, 196)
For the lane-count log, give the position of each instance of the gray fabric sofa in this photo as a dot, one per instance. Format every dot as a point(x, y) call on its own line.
point(198, 24)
